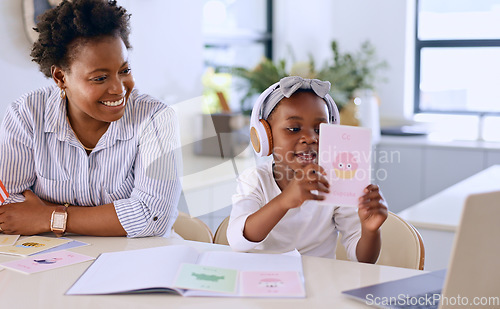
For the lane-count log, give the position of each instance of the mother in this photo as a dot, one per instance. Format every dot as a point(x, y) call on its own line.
point(91, 139)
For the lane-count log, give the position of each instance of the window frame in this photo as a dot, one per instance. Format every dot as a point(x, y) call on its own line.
point(420, 44)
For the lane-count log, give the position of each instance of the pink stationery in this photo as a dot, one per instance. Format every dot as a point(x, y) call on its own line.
point(271, 284)
point(33, 244)
point(344, 153)
point(46, 261)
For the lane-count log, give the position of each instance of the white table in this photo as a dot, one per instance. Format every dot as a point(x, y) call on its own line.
point(437, 217)
point(325, 279)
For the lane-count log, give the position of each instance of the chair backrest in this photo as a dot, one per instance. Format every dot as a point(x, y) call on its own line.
point(192, 228)
point(402, 245)
point(221, 233)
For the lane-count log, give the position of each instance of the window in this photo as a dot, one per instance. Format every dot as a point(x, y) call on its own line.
point(457, 67)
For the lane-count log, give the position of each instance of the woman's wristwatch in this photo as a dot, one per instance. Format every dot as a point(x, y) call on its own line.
point(58, 220)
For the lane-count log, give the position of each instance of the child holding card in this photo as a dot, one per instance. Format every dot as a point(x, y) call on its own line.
point(276, 205)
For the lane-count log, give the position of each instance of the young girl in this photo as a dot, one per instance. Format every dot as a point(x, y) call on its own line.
point(275, 207)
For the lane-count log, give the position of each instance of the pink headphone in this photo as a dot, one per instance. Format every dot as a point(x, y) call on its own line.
point(260, 131)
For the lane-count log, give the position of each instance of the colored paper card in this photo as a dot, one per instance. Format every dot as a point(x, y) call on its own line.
point(8, 240)
point(206, 278)
point(3, 193)
point(33, 244)
point(271, 284)
point(69, 245)
point(345, 154)
point(47, 261)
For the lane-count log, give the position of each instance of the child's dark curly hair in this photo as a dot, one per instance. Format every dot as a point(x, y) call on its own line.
point(70, 20)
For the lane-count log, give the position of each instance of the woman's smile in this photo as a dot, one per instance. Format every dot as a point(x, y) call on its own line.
point(113, 103)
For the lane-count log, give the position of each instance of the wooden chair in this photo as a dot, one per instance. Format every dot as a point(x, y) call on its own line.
point(220, 236)
point(192, 228)
point(402, 245)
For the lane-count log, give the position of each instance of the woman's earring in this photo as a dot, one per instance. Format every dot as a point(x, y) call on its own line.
point(63, 93)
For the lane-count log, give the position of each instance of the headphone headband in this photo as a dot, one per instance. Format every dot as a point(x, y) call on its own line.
point(260, 131)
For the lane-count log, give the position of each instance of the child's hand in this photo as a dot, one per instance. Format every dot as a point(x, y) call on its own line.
point(310, 178)
point(372, 209)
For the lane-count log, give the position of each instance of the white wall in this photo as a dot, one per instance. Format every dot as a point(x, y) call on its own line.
point(167, 45)
point(166, 57)
point(304, 27)
point(19, 74)
point(310, 26)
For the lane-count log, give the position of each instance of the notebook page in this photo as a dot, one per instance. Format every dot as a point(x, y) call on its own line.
point(128, 271)
point(253, 261)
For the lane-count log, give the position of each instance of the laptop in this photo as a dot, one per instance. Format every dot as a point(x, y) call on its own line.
point(473, 277)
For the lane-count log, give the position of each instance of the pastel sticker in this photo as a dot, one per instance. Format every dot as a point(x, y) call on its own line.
point(345, 165)
point(30, 245)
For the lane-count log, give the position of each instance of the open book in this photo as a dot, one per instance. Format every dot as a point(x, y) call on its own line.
point(344, 153)
point(186, 271)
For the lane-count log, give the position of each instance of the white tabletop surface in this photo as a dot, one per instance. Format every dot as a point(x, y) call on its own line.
point(325, 279)
point(442, 211)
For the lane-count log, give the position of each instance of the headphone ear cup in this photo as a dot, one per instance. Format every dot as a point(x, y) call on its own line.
point(268, 137)
point(255, 139)
point(260, 131)
point(261, 138)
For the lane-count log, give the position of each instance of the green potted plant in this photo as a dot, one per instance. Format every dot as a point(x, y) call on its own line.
point(256, 80)
point(346, 71)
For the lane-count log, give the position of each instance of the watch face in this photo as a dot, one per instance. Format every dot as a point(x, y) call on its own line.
point(59, 221)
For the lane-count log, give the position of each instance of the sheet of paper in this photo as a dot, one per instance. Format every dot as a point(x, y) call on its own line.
point(206, 278)
point(345, 154)
point(133, 270)
point(156, 269)
point(253, 261)
point(290, 261)
point(66, 246)
point(31, 245)
point(271, 284)
point(46, 261)
point(8, 240)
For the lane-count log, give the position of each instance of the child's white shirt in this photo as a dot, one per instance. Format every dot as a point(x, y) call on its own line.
point(312, 229)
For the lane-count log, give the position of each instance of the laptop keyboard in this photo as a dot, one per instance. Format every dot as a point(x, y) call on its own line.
point(424, 301)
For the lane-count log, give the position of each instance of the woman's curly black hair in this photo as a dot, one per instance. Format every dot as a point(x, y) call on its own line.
point(70, 20)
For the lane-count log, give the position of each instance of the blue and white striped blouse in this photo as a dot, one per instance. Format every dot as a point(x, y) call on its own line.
point(136, 164)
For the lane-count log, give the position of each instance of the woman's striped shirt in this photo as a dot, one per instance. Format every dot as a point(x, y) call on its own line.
point(136, 164)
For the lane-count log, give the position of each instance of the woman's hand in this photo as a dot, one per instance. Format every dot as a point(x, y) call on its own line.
point(372, 209)
point(26, 218)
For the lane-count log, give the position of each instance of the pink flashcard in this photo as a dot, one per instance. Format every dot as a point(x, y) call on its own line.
point(41, 262)
point(344, 153)
point(271, 284)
